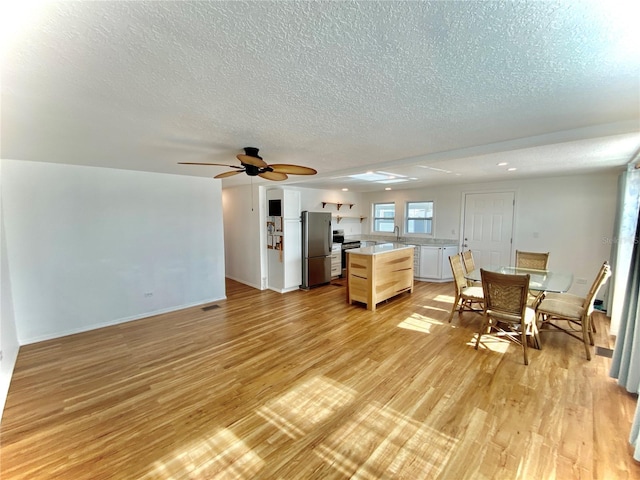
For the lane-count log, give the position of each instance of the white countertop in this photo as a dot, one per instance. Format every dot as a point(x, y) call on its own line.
point(380, 248)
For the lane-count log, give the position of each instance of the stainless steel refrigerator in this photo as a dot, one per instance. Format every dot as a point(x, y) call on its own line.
point(316, 248)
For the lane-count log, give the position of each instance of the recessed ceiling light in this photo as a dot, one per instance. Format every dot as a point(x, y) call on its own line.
point(512, 169)
point(369, 177)
point(345, 189)
point(395, 180)
point(502, 164)
point(435, 169)
point(387, 188)
point(391, 174)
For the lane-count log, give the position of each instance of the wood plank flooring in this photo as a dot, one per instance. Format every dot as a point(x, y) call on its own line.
point(305, 386)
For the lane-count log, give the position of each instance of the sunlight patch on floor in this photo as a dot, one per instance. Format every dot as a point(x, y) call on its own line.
point(419, 323)
point(223, 455)
point(445, 299)
point(312, 402)
point(490, 342)
point(379, 442)
point(436, 309)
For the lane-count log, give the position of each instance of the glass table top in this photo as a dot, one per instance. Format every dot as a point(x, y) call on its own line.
point(543, 280)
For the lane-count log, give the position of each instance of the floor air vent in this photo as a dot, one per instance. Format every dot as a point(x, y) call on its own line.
point(604, 352)
point(210, 307)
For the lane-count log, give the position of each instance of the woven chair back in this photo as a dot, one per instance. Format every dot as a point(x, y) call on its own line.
point(600, 280)
point(534, 260)
point(467, 260)
point(458, 272)
point(505, 295)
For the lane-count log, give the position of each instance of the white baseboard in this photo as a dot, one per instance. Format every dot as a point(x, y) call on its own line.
point(86, 328)
point(7, 364)
point(252, 285)
point(284, 290)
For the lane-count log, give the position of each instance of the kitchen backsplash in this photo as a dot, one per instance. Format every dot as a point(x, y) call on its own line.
point(411, 240)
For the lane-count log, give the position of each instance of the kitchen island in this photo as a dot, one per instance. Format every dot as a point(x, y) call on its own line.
point(379, 272)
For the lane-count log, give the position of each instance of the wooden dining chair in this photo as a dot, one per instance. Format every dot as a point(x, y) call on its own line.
point(506, 310)
point(466, 296)
point(469, 266)
point(566, 314)
point(576, 299)
point(467, 261)
point(533, 260)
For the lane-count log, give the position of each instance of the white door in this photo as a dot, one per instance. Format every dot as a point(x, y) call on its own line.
point(488, 227)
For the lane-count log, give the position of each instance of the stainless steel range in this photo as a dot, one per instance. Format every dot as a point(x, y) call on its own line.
point(338, 237)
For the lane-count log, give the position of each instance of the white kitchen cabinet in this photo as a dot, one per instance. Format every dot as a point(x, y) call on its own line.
point(284, 263)
point(446, 274)
point(429, 262)
point(434, 262)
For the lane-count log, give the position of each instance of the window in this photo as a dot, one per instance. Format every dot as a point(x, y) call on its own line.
point(384, 216)
point(419, 217)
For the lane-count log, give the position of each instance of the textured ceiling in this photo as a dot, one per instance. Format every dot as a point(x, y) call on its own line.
point(344, 87)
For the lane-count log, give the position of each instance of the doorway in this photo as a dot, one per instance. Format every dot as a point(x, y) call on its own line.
point(488, 227)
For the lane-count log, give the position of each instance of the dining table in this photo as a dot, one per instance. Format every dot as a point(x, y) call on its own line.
point(539, 280)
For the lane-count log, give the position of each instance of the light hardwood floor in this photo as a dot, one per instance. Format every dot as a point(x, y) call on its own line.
point(305, 386)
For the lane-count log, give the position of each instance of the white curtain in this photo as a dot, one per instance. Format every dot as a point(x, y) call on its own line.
point(634, 438)
point(625, 365)
point(622, 244)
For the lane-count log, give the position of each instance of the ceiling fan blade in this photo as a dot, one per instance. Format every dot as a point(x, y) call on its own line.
point(216, 164)
point(273, 176)
point(228, 174)
point(293, 169)
point(249, 160)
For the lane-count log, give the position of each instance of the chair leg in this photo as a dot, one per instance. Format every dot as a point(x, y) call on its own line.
point(542, 319)
point(585, 336)
point(485, 322)
point(455, 304)
point(536, 336)
point(523, 334)
point(590, 330)
point(464, 305)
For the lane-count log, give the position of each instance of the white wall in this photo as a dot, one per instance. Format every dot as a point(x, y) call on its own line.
point(88, 247)
point(446, 215)
point(570, 216)
point(311, 200)
point(243, 235)
point(245, 226)
point(8, 337)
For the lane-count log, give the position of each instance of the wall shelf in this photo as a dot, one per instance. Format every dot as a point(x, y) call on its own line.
point(338, 205)
point(340, 217)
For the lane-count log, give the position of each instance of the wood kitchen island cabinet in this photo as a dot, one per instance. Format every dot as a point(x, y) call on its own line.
point(379, 272)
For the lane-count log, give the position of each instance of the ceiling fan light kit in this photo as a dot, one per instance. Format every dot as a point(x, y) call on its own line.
point(253, 165)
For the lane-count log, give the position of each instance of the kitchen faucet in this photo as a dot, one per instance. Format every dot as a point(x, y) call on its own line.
point(396, 228)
